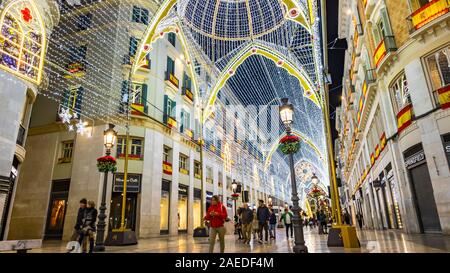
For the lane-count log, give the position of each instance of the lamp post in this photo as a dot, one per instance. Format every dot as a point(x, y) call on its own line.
point(109, 140)
point(234, 187)
point(286, 115)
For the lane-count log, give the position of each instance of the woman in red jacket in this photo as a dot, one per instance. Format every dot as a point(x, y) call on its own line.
point(216, 215)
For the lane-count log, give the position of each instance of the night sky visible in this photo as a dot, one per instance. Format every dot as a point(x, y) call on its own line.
point(335, 61)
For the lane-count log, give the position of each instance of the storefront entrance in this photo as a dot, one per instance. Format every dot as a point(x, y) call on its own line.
point(422, 189)
point(133, 190)
point(182, 208)
point(165, 206)
point(57, 209)
point(197, 207)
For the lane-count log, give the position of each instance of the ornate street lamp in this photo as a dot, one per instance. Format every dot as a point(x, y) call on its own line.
point(105, 165)
point(234, 187)
point(287, 117)
point(314, 179)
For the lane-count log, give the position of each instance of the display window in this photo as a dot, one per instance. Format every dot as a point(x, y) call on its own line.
point(165, 205)
point(197, 207)
point(182, 207)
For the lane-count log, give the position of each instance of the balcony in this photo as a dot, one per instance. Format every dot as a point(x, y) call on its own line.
point(386, 46)
point(429, 13)
point(371, 76)
point(137, 109)
point(75, 69)
point(186, 92)
point(21, 136)
point(170, 78)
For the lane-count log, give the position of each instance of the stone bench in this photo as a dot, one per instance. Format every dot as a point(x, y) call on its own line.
point(21, 246)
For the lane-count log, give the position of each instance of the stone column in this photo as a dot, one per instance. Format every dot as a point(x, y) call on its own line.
point(215, 170)
point(86, 181)
point(151, 184)
point(191, 193)
point(173, 211)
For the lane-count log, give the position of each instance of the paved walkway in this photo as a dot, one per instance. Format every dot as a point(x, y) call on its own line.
point(371, 242)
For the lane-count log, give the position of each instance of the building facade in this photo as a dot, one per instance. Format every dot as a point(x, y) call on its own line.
point(164, 188)
point(394, 121)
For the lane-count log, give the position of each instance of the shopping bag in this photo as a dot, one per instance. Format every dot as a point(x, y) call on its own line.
point(73, 247)
point(229, 228)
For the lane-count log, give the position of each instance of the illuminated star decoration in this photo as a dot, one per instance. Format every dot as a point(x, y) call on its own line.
point(26, 15)
point(80, 127)
point(65, 115)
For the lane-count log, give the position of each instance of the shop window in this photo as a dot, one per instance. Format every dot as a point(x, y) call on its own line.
point(22, 40)
point(400, 93)
point(66, 152)
point(172, 38)
point(84, 21)
point(197, 207)
point(164, 207)
point(182, 212)
point(438, 66)
point(184, 164)
point(140, 15)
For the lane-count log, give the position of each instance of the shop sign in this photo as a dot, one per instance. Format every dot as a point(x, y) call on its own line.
point(414, 159)
point(377, 183)
point(183, 190)
point(133, 183)
point(447, 147)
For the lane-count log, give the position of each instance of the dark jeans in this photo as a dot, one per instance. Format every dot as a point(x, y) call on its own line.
point(264, 226)
point(90, 237)
point(289, 226)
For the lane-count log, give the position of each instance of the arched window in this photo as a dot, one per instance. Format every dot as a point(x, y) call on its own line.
point(22, 40)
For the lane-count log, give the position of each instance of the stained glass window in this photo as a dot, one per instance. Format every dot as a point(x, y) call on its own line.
point(22, 40)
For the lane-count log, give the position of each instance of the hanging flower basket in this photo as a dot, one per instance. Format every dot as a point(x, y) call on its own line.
point(106, 164)
point(235, 196)
point(289, 145)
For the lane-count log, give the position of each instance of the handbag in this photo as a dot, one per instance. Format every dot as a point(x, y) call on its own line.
point(228, 225)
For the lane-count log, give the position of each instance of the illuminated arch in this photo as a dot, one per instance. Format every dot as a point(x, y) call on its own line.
point(296, 14)
point(22, 50)
point(274, 147)
point(257, 48)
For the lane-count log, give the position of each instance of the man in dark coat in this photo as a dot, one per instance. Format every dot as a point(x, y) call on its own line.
point(246, 218)
point(263, 215)
point(79, 223)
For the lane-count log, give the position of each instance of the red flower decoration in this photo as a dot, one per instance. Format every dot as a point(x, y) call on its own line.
point(235, 195)
point(26, 15)
point(288, 139)
point(107, 158)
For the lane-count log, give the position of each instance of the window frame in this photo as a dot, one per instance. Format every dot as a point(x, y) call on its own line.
point(400, 78)
point(66, 146)
point(184, 162)
point(427, 68)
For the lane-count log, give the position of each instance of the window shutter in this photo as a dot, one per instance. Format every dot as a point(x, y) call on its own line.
point(144, 98)
point(165, 109)
point(79, 100)
point(387, 24)
point(182, 121)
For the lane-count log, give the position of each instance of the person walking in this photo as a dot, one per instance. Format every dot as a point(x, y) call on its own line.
point(263, 215)
point(322, 219)
point(286, 218)
point(238, 223)
point(216, 215)
point(255, 225)
point(272, 223)
point(246, 219)
point(347, 217)
point(359, 217)
point(88, 226)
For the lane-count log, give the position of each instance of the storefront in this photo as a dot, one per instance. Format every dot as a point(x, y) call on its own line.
point(395, 196)
point(446, 142)
point(57, 209)
point(165, 206)
point(133, 190)
point(422, 189)
point(197, 207)
point(182, 208)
